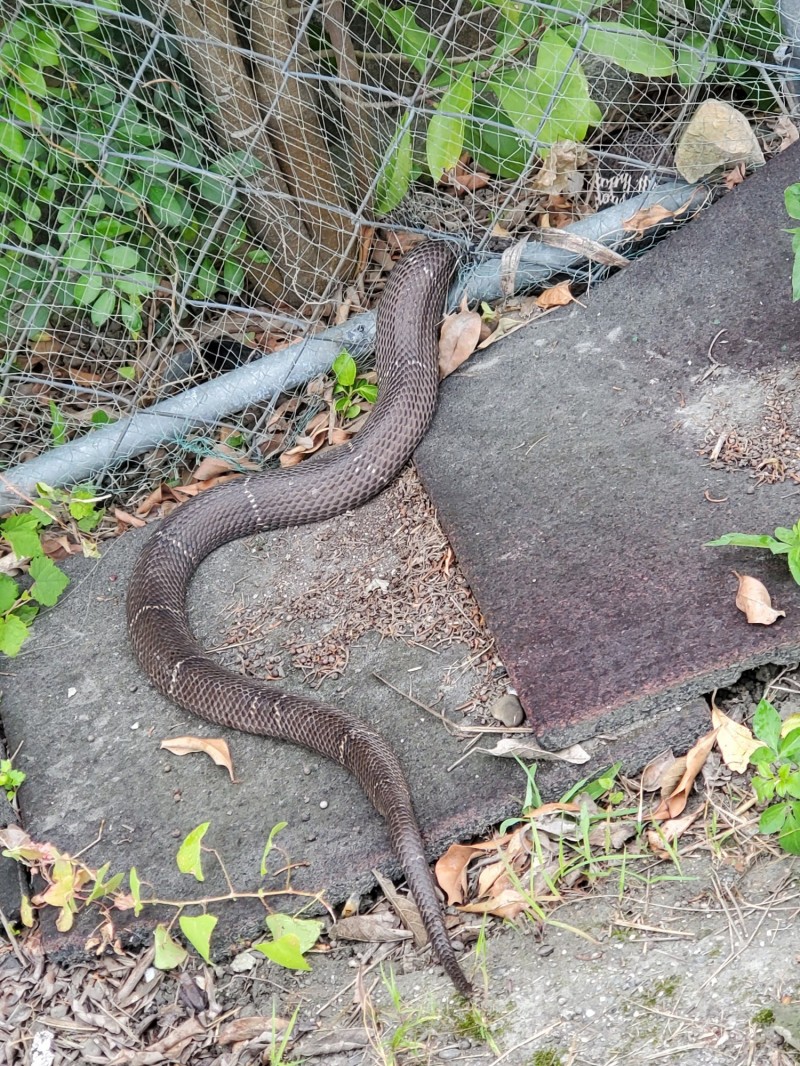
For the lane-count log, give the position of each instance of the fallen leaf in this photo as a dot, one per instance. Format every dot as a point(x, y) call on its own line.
point(458, 339)
point(646, 218)
point(787, 131)
point(214, 465)
point(674, 804)
point(736, 743)
point(217, 750)
point(405, 908)
point(669, 831)
point(126, 519)
point(655, 770)
point(754, 601)
point(735, 177)
point(261, 1027)
point(514, 747)
point(556, 296)
point(451, 868)
point(369, 929)
point(508, 904)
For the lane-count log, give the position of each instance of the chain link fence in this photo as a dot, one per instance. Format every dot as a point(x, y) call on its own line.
point(188, 181)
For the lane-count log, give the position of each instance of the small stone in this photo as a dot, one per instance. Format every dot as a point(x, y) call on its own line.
point(508, 710)
point(243, 962)
point(323, 805)
point(717, 137)
point(448, 1053)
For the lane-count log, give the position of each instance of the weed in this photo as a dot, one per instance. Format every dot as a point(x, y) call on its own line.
point(785, 542)
point(10, 779)
point(22, 534)
point(792, 200)
point(763, 1017)
point(349, 388)
point(547, 1057)
point(777, 778)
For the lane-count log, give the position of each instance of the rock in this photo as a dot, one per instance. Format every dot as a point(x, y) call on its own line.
point(508, 710)
point(717, 137)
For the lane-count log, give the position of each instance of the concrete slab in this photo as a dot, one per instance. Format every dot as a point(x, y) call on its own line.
point(571, 468)
point(90, 728)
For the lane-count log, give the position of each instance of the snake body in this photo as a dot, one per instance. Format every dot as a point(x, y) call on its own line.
point(408, 318)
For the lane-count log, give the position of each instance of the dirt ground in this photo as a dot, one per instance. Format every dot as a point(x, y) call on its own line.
point(692, 958)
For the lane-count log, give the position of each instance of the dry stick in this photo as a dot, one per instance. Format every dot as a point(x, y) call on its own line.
point(12, 939)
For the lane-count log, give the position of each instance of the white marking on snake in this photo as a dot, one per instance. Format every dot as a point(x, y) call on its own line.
point(253, 502)
point(154, 607)
point(179, 545)
point(174, 676)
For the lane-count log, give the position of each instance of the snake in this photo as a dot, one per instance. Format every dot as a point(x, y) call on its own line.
point(341, 479)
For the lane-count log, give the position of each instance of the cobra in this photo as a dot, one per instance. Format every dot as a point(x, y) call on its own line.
point(408, 320)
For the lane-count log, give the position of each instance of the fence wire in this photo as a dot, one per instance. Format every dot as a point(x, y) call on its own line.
point(181, 178)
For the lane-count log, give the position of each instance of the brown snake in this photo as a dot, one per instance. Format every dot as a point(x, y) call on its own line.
point(406, 359)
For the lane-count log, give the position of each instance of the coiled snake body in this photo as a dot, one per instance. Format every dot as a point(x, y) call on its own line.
point(406, 357)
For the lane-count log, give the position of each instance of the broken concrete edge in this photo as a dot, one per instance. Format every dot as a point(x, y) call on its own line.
point(241, 922)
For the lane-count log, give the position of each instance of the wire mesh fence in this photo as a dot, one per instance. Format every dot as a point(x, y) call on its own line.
point(185, 181)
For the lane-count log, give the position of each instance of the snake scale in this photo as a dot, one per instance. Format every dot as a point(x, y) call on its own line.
point(408, 319)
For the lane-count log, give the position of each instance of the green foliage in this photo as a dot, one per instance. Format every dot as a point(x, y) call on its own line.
point(350, 388)
point(792, 200)
point(776, 781)
point(22, 534)
point(10, 779)
point(112, 191)
point(528, 87)
point(291, 939)
point(785, 542)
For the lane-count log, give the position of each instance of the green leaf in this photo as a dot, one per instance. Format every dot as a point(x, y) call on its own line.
point(87, 288)
point(23, 106)
point(445, 139)
point(198, 930)
point(412, 39)
point(206, 281)
point(767, 725)
point(32, 80)
point(773, 818)
point(45, 47)
point(790, 745)
point(13, 633)
point(139, 283)
point(344, 369)
point(58, 425)
point(791, 198)
point(793, 560)
point(216, 191)
point(749, 540)
point(395, 177)
point(695, 59)
point(551, 102)
point(270, 844)
point(9, 593)
point(120, 257)
point(49, 581)
point(127, 372)
point(306, 930)
point(130, 313)
point(170, 207)
point(136, 891)
point(86, 20)
point(12, 142)
point(630, 49)
point(233, 276)
point(761, 756)
point(284, 952)
point(169, 953)
point(22, 533)
point(188, 857)
point(367, 391)
point(103, 307)
point(789, 838)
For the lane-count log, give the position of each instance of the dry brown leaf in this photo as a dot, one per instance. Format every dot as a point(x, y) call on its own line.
point(669, 831)
point(451, 868)
point(514, 747)
point(653, 773)
point(217, 750)
point(735, 177)
point(242, 1029)
point(735, 741)
point(458, 339)
point(647, 217)
point(508, 904)
point(405, 908)
point(126, 519)
point(556, 296)
point(787, 131)
point(673, 805)
point(213, 465)
point(370, 929)
point(755, 602)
